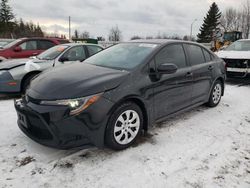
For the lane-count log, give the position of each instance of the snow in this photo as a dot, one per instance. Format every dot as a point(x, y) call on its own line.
point(205, 147)
point(233, 54)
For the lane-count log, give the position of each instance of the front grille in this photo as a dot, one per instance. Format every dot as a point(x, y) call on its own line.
point(37, 128)
point(237, 63)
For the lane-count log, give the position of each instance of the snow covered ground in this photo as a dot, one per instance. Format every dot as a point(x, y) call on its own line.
point(206, 147)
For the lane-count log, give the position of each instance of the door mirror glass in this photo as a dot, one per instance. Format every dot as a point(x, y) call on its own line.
point(167, 68)
point(17, 49)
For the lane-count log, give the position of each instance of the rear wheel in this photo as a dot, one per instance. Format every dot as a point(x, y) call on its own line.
point(124, 126)
point(215, 95)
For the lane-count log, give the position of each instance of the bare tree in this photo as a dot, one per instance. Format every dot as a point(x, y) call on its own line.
point(237, 20)
point(230, 20)
point(115, 34)
point(85, 35)
point(149, 37)
point(246, 19)
point(76, 34)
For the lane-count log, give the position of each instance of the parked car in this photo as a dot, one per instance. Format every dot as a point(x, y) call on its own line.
point(27, 47)
point(237, 58)
point(16, 74)
point(4, 42)
point(116, 93)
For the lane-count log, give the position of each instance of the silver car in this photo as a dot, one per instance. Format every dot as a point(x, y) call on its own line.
point(16, 74)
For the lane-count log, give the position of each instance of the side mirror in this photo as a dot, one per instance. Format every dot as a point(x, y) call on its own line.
point(17, 49)
point(63, 59)
point(167, 68)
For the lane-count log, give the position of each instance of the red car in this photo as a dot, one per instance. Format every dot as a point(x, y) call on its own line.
point(26, 47)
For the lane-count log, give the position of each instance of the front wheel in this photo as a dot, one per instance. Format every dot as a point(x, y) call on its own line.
point(216, 94)
point(124, 126)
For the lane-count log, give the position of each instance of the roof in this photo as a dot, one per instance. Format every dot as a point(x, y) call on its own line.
point(80, 44)
point(161, 41)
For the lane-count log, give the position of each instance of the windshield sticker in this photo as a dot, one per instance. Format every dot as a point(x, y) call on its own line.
point(30, 65)
point(148, 45)
point(61, 49)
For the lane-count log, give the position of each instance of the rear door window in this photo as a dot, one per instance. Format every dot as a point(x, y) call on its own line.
point(75, 54)
point(93, 50)
point(174, 54)
point(29, 45)
point(195, 54)
point(45, 44)
point(207, 55)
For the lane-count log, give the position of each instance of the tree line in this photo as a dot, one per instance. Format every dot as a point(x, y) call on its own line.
point(10, 27)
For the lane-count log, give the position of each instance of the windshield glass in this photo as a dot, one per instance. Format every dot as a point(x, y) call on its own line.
point(53, 52)
point(123, 56)
point(239, 46)
point(12, 43)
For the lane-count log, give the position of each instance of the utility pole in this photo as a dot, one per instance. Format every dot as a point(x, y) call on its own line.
point(69, 28)
point(191, 32)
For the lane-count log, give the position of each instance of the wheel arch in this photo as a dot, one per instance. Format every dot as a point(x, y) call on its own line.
point(222, 80)
point(137, 101)
point(33, 73)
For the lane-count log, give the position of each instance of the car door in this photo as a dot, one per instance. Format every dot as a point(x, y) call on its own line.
point(76, 53)
point(27, 48)
point(172, 92)
point(202, 72)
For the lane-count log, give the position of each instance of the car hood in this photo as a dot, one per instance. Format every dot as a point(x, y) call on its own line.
point(74, 81)
point(233, 54)
point(12, 63)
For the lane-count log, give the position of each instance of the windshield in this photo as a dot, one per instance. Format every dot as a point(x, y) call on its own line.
point(53, 52)
point(239, 46)
point(123, 56)
point(12, 43)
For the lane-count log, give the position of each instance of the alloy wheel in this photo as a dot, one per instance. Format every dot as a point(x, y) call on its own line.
point(217, 93)
point(127, 127)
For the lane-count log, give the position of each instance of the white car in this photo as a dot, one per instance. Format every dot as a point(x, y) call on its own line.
point(237, 58)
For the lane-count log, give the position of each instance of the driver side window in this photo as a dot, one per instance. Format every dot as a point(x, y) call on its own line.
point(174, 54)
point(75, 54)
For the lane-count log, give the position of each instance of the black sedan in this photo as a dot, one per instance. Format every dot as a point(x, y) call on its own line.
point(111, 97)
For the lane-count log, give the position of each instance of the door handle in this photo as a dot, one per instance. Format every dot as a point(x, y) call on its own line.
point(210, 67)
point(189, 74)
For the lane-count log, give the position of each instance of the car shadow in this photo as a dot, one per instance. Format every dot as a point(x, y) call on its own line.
point(238, 81)
point(8, 97)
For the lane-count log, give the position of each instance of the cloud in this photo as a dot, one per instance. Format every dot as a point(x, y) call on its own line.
point(134, 17)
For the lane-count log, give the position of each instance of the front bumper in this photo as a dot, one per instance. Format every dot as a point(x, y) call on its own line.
point(51, 126)
point(238, 72)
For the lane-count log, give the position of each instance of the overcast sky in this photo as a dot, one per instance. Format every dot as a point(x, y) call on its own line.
point(133, 17)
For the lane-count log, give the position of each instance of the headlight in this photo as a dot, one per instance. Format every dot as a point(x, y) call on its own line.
point(76, 105)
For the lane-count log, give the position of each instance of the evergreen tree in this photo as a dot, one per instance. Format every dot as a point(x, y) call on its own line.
point(6, 17)
point(211, 22)
point(76, 34)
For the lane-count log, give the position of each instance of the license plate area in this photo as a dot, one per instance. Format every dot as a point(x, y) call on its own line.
point(23, 120)
point(242, 70)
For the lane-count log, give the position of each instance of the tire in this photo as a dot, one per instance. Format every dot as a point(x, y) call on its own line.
point(216, 94)
point(26, 83)
point(121, 132)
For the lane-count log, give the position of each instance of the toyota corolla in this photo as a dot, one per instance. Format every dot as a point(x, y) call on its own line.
point(110, 98)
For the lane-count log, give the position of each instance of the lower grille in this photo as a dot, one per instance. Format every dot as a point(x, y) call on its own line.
point(237, 63)
point(38, 129)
